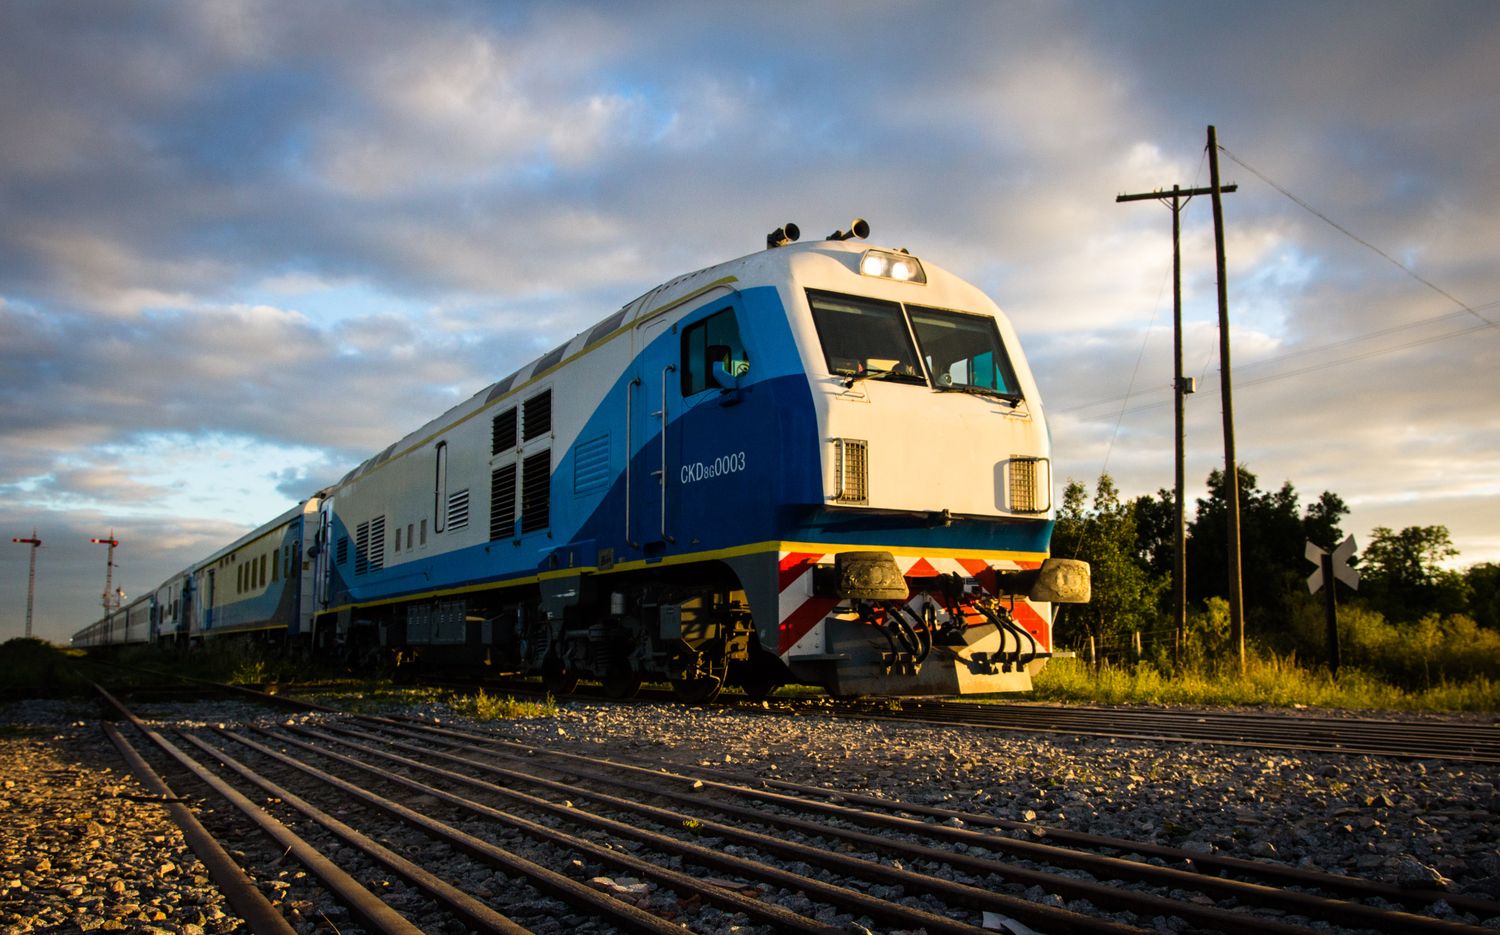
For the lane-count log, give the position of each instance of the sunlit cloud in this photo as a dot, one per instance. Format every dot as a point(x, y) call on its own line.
point(270, 239)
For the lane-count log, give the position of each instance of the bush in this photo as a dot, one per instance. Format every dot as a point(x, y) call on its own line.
point(1269, 680)
point(1208, 637)
point(1432, 651)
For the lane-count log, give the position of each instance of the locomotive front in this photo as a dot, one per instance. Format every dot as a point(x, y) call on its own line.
point(925, 568)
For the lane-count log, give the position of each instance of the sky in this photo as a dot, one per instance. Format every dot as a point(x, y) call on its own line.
point(245, 245)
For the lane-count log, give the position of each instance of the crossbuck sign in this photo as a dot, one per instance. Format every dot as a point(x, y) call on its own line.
point(1340, 566)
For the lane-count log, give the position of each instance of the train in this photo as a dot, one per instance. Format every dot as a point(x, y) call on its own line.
point(823, 463)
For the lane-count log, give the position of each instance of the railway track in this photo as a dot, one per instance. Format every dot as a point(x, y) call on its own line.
point(1445, 739)
point(408, 825)
point(1408, 739)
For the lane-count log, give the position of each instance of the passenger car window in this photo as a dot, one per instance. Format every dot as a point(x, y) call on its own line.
point(963, 351)
point(714, 340)
point(864, 337)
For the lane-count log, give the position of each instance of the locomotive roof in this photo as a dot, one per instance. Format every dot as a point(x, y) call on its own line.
point(664, 294)
point(763, 265)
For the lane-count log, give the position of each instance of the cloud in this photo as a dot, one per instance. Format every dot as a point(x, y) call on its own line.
point(289, 234)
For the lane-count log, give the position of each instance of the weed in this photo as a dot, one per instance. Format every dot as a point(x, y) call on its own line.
point(482, 706)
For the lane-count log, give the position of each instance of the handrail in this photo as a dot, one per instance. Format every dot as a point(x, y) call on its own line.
point(669, 368)
point(629, 453)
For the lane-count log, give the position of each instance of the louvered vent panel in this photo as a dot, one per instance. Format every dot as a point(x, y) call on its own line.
point(458, 509)
point(591, 465)
point(377, 543)
point(362, 548)
point(536, 490)
point(503, 434)
point(343, 553)
point(852, 470)
point(503, 502)
point(536, 419)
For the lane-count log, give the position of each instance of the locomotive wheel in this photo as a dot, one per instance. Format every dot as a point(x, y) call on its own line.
point(559, 681)
point(621, 681)
point(759, 675)
point(758, 680)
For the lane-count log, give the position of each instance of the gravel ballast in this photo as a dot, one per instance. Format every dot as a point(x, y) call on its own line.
point(84, 848)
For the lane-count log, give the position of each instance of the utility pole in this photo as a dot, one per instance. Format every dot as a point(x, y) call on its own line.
point(1231, 468)
point(35, 544)
point(109, 572)
point(1181, 387)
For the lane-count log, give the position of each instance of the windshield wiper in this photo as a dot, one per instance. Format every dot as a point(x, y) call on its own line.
point(1013, 398)
point(852, 378)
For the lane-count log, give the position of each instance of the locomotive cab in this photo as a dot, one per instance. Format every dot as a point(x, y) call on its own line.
point(936, 482)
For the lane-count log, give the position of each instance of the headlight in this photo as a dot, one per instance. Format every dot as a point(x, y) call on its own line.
point(888, 265)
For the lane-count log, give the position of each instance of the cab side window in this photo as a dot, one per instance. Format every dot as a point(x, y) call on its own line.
point(713, 341)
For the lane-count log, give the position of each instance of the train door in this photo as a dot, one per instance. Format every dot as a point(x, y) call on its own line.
point(719, 431)
point(186, 609)
point(323, 559)
point(648, 474)
point(304, 549)
point(209, 604)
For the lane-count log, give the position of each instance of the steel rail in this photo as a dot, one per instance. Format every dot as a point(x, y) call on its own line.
point(1208, 863)
point(1438, 740)
point(1238, 724)
point(1397, 739)
point(783, 920)
point(1097, 864)
point(475, 914)
point(1059, 920)
point(233, 882)
point(1217, 863)
point(376, 914)
point(270, 698)
point(1149, 904)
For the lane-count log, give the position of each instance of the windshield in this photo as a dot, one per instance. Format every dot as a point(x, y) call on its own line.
point(963, 351)
point(864, 337)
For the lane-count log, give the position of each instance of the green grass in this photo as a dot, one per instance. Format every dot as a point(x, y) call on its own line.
point(482, 706)
point(1269, 681)
point(374, 697)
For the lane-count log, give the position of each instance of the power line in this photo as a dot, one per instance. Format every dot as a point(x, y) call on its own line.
point(1433, 339)
point(1317, 349)
point(1270, 378)
point(1359, 240)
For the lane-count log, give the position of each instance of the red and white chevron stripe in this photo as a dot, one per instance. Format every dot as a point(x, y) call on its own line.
point(801, 612)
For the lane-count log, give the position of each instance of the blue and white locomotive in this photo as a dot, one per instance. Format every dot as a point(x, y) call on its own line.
point(822, 463)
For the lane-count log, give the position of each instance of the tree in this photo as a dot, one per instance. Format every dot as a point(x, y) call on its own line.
point(1125, 595)
point(1321, 522)
point(1403, 577)
point(1155, 531)
point(1273, 542)
point(1484, 594)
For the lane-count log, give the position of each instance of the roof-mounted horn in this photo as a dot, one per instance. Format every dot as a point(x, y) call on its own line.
point(858, 227)
point(782, 236)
